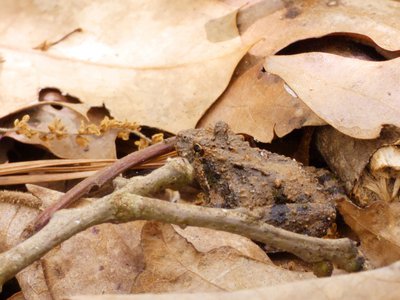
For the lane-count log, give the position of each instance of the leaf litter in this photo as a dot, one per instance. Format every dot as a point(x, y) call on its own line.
point(129, 67)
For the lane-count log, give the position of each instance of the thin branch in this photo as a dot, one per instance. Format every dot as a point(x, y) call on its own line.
point(123, 206)
point(103, 176)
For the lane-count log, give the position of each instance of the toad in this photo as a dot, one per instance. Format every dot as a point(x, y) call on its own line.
point(280, 190)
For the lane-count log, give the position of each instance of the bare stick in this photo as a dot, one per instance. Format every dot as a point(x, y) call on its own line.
point(122, 206)
point(103, 176)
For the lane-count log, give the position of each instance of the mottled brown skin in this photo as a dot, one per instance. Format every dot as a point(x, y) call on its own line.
point(276, 188)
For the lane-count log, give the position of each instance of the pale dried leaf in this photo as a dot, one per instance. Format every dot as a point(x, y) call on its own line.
point(347, 93)
point(157, 62)
point(381, 284)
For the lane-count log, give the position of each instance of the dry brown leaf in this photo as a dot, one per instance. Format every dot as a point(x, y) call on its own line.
point(157, 62)
point(381, 284)
point(173, 264)
point(378, 228)
point(258, 103)
point(356, 97)
point(248, 106)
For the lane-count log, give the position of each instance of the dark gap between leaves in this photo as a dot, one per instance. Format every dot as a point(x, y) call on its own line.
point(10, 288)
point(343, 44)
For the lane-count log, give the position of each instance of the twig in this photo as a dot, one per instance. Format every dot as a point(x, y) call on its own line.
point(102, 177)
point(123, 206)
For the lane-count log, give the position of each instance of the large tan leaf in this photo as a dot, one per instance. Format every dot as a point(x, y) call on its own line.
point(381, 284)
point(157, 62)
point(378, 228)
point(262, 111)
point(355, 96)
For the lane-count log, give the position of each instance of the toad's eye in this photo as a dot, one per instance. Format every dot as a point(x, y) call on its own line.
point(198, 149)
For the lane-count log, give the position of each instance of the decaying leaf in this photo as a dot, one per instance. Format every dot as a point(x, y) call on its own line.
point(378, 228)
point(344, 91)
point(161, 63)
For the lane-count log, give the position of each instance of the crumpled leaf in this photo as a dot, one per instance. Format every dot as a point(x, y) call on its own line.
point(262, 111)
point(349, 94)
point(159, 62)
point(378, 227)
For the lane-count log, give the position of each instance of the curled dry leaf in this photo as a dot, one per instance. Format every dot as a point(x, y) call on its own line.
point(258, 103)
point(159, 62)
point(347, 93)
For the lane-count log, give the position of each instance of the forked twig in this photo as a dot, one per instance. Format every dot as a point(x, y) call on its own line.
point(125, 205)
